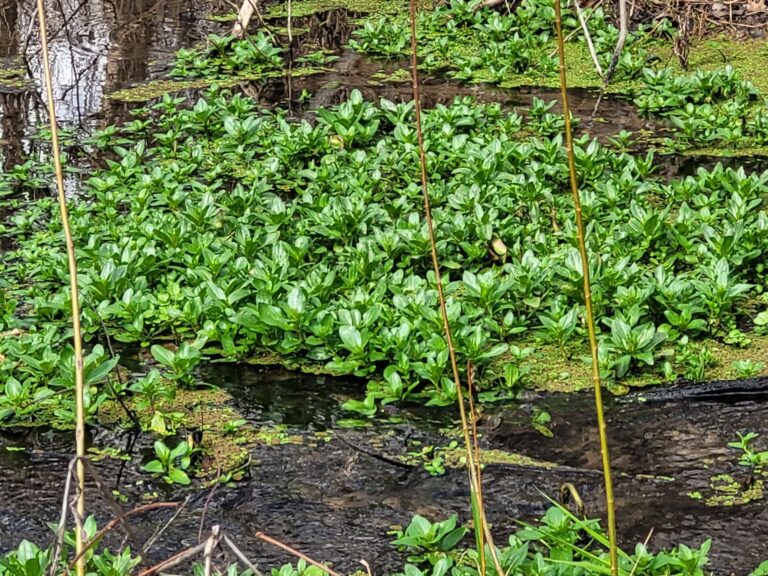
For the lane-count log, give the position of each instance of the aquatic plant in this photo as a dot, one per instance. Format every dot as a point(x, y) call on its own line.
point(171, 464)
point(560, 543)
point(261, 236)
point(484, 45)
point(227, 56)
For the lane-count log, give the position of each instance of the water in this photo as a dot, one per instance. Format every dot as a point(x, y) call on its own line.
point(337, 499)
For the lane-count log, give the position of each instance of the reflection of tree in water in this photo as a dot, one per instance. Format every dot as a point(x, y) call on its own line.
point(14, 110)
point(103, 45)
point(9, 14)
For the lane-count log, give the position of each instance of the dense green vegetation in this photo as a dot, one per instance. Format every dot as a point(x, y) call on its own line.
point(251, 235)
point(492, 46)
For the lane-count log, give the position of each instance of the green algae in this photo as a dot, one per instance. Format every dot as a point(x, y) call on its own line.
point(550, 371)
point(157, 88)
point(366, 7)
point(727, 491)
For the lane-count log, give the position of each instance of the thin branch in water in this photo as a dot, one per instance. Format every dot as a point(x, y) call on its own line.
point(240, 556)
point(112, 524)
point(207, 503)
point(293, 551)
point(164, 527)
point(603, 435)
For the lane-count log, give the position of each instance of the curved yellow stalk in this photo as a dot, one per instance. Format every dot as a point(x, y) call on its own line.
point(78, 342)
point(609, 501)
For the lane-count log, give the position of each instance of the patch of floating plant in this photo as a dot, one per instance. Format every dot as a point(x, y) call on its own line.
point(725, 490)
point(13, 76)
point(157, 88)
point(226, 436)
point(309, 7)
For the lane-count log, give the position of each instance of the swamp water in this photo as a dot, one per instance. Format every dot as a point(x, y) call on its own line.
point(333, 491)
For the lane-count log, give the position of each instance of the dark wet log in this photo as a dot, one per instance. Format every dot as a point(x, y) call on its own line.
point(717, 391)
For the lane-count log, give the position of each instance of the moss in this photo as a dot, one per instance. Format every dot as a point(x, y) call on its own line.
point(308, 7)
point(208, 410)
point(157, 88)
point(454, 456)
point(551, 371)
point(748, 56)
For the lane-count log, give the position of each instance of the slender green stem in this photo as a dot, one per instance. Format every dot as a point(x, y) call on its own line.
point(609, 501)
point(74, 293)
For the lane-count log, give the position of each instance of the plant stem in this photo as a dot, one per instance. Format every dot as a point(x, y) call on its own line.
point(609, 501)
point(482, 531)
point(74, 293)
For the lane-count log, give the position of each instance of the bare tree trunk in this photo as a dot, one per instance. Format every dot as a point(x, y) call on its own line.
point(244, 17)
point(623, 33)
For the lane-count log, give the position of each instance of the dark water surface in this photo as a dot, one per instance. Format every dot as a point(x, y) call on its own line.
point(337, 499)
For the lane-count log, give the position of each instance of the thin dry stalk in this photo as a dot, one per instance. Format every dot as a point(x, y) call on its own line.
point(210, 545)
point(588, 38)
point(293, 551)
point(479, 471)
point(62, 527)
point(465, 425)
point(645, 544)
point(613, 550)
point(74, 293)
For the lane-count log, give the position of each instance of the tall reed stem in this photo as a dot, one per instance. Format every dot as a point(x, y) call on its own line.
point(482, 530)
point(77, 336)
point(465, 425)
point(609, 501)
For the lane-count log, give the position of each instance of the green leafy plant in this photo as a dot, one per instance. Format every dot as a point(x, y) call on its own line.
point(171, 464)
point(747, 368)
point(749, 456)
